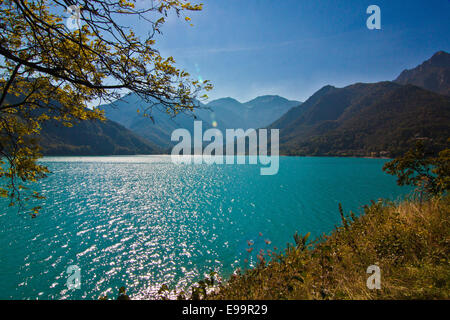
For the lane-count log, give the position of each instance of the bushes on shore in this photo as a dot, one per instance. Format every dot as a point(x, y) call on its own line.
point(410, 243)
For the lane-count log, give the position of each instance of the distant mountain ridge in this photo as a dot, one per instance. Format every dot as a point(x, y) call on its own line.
point(257, 113)
point(157, 130)
point(224, 113)
point(433, 74)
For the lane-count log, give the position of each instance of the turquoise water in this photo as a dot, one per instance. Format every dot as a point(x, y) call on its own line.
point(142, 221)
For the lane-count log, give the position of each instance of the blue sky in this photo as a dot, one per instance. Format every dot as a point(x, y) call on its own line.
point(294, 47)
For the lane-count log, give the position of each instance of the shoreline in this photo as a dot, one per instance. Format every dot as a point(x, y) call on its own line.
point(167, 154)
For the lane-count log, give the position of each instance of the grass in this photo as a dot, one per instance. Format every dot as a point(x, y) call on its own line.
point(410, 242)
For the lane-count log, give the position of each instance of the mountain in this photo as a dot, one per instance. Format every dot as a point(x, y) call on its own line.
point(372, 119)
point(365, 119)
point(89, 138)
point(433, 74)
point(257, 113)
point(288, 120)
point(158, 130)
point(92, 138)
point(225, 112)
point(265, 108)
point(222, 113)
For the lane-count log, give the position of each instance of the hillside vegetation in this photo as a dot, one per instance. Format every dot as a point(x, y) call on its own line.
point(92, 138)
point(410, 242)
point(365, 119)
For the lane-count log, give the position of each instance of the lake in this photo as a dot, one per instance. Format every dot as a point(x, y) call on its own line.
point(142, 221)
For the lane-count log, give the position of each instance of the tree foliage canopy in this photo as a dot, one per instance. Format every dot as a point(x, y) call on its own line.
point(427, 172)
point(50, 72)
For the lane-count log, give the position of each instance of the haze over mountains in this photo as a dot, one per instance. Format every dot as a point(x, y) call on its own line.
point(362, 119)
point(157, 131)
point(223, 113)
point(256, 113)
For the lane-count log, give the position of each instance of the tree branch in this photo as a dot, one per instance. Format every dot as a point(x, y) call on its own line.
point(8, 84)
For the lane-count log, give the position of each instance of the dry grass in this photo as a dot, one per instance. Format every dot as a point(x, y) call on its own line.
point(410, 243)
